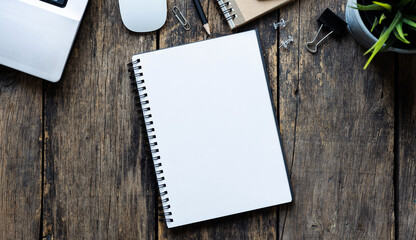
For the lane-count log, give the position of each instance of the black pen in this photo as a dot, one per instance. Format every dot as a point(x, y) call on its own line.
point(202, 16)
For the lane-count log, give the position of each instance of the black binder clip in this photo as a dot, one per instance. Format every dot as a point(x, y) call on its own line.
point(329, 20)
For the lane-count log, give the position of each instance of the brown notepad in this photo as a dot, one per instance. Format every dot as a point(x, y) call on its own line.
point(239, 12)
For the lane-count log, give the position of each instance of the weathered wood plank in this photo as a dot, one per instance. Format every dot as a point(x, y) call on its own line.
point(254, 225)
point(406, 142)
point(20, 155)
point(288, 92)
point(338, 127)
point(98, 184)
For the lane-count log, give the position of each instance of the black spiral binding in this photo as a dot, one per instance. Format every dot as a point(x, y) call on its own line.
point(227, 9)
point(142, 101)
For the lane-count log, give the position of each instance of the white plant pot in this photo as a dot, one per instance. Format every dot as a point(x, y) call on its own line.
point(360, 32)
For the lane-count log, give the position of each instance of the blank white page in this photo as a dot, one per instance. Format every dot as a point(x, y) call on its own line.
point(215, 128)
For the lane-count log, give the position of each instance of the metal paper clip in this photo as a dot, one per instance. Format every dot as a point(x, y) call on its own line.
point(286, 43)
point(282, 24)
point(181, 18)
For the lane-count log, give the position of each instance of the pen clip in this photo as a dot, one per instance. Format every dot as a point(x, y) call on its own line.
point(181, 18)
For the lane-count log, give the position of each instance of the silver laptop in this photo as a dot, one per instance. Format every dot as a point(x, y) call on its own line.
point(36, 35)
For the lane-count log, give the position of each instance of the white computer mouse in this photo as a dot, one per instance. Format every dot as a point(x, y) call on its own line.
point(143, 15)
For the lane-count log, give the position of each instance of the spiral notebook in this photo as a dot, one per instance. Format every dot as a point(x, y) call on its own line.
point(239, 12)
point(211, 128)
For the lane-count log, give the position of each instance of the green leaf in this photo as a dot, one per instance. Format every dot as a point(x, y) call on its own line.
point(375, 23)
point(372, 7)
point(396, 33)
point(410, 23)
point(382, 17)
point(372, 48)
point(410, 17)
point(399, 31)
point(383, 38)
point(402, 3)
point(384, 5)
point(388, 44)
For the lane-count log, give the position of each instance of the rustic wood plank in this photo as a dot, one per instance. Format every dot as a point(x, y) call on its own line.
point(98, 183)
point(20, 155)
point(288, 93)
point(260, 224)
point(338, 128)
point(406, 142)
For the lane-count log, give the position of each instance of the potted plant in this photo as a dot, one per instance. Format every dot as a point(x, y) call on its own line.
point(384, 25)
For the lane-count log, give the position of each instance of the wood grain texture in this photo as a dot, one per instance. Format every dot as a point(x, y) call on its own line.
point(20, 155)
point(347, 133)
point(253, 225)
point(288, 94)
point(338, 128)
point(406, 140)
point(98, 183)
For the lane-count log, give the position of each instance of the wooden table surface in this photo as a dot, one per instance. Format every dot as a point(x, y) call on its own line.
point(73, 159)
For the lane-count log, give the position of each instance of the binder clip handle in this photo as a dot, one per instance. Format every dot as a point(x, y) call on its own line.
point(312, 46)
point(331, 21)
